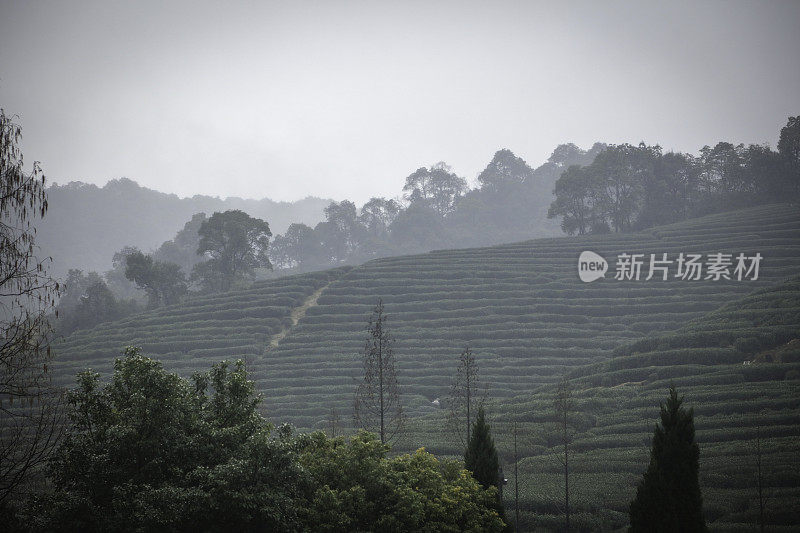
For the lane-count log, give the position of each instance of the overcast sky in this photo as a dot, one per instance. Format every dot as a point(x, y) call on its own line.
point(345, 99)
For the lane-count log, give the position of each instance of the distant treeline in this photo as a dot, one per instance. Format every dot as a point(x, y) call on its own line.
point(634, 187)
point(607, 188)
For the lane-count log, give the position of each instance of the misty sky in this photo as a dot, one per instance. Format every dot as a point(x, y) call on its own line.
point(345, 99)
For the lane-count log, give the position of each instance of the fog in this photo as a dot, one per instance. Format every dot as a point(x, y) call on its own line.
point(344, 100)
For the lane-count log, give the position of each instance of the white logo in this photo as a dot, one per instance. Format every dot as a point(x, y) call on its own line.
point(591, 266)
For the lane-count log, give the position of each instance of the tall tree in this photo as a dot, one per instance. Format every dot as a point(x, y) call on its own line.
point(668, 497)
point(377, 402)
point(573, 201)
point(564, 407)
point(235, 244)
point(464, 395)
point(481, 458)
point(29, 410)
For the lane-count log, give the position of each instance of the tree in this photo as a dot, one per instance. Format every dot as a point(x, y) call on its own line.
point(30, 419)
point(378, 214)
point(341, 233)
point(182, 249)
point(617, 176)
point(151, 451)
point(437, 186)
point(573, 201)
point(481, 458)
point(505, 169)
point(377, 401)
point(789, 150)
point(354, 487)
point(235, 244)
point(464, 395)
point(564, 406)
point(668, 497)
point(164, 283)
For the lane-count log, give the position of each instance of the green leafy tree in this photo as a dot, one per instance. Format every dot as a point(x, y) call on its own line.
point(356, 488)
point(151, 451)
point(235, 244)
point(668, 498)
point(164, 283)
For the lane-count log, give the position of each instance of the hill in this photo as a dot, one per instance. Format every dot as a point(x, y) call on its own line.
point(529, 319)
point(86, 224)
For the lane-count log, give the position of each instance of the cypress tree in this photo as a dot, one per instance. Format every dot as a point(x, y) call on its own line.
point(481, 458)
point(668, 498)
point(481, 455)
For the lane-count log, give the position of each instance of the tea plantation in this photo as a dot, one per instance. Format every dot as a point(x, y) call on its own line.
point(530, 320)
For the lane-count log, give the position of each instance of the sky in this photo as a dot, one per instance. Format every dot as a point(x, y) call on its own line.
point(344, 99)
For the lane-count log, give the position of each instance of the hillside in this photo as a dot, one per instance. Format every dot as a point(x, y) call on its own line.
point(86, 224)
point(528, 317)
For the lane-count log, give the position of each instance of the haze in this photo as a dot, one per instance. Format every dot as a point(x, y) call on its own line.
point(345, 99)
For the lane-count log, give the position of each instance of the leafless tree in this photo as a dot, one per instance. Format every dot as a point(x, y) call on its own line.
point(30, 418)
point(564, 407)
point(465, 396)
point(377, 402)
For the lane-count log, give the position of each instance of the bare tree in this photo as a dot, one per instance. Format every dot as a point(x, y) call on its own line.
point(516, 480)
point(464, 396)
point(29, 407)
point(564, 406)
point(333, 422)
point(377, 402)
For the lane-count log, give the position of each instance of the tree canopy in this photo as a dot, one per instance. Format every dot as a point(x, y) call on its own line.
point(235, 244)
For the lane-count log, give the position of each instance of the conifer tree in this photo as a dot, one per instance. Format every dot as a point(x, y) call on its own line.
point(481, 458)
point(668, 497)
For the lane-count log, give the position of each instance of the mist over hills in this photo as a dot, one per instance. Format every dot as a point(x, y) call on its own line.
point(86, 224)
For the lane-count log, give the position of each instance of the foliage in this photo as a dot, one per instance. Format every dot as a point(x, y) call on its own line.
point(151, 450)
point(164, 283)
point(182, 249)
point(356, 488)
point(668, 497)
point(480, 457)
point(632, 187)
point(437, 186)
point(377, 402)
point(29, 421)
point(235, 244)
point(86, 300)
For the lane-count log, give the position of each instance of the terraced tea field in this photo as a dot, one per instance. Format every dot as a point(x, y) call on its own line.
point(529, 319)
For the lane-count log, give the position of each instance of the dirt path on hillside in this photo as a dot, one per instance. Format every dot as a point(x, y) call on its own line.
point(295, 316)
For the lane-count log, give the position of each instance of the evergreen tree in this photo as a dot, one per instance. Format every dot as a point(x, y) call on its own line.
point(668, 497)
point(481, 455)
point(481, 458)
